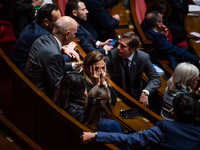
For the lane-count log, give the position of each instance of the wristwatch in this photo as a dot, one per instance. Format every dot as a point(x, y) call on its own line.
point(145, 93)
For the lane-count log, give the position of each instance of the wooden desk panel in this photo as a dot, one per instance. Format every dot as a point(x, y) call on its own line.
point(192, 25)
point(139, 124)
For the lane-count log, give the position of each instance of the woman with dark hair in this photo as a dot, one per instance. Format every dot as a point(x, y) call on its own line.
point(94, 70)
point(71, 94)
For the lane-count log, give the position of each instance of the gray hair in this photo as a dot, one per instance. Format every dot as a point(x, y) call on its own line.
point(183, 73)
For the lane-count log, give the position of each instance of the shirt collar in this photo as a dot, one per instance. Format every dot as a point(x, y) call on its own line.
point(60, 45)
point(131, 57)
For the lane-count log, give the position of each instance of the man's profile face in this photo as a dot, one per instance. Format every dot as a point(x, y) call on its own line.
point(55, 16)
point(123, 49)
point(82, 11)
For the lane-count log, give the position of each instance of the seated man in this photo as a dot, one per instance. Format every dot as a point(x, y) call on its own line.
point(126, 65)
point(157, 33)
point(101, 19)
point(180, 134)
point(77, 10)
point(47, 16)
point(45, 66)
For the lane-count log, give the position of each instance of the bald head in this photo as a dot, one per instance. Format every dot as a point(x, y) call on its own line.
point(152, 18)
point(65, 29)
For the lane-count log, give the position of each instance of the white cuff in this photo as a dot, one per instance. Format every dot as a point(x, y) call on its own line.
point(97, 43)
point(146, 92)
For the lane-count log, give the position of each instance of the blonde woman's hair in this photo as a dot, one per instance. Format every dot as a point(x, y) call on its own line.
point(183, 73)
point(91, 58)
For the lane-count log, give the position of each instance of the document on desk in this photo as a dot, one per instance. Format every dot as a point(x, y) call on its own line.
point(193, 8)
point(195, 34)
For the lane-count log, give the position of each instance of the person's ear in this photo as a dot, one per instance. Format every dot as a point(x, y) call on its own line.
point(132, 49)
point(46, 22)
point(74, 13)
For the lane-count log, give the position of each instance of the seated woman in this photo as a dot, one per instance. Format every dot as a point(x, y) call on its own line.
point(184, 79)
point(98, 115)
point(71, 94)
point(94, 70)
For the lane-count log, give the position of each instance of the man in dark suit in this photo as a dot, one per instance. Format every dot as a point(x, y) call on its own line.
point(137, 63)
point(100, 17)
point(157, 33)
point(46, 67)
point(180, 134)
point(77, 10)
point(47, 16)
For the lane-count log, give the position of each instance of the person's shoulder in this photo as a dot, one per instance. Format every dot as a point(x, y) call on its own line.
point(141, 53)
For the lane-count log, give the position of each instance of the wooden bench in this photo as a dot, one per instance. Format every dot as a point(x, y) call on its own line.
point(12, 138)
point(36, 115)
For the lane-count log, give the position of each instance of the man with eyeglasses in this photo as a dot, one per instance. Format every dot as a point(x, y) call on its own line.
point(47, 16)
point(46, 66)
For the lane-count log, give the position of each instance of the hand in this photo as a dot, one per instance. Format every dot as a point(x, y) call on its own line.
point(103, 77)
point(197, 93)
point(165, 30)
point(37, 3)
point(69, 50)
point(108, 47)
point(78, 66)
point(116, 16)
point(87, 137)
point(105, 43)
point(144, 99)
point(95, 75)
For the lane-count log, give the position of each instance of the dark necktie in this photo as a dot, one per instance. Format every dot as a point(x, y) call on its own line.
point(127, 73)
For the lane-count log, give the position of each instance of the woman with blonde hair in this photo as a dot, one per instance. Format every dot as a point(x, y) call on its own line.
point(95, 73)
point(184, 80)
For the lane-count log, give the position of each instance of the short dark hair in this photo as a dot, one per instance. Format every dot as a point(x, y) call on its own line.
point(46, 12)
point(133, 39)
point(70, 6)
point(152, 18)
point(185, 108)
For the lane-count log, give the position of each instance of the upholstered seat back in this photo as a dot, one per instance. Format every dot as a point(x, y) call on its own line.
point(140, 8)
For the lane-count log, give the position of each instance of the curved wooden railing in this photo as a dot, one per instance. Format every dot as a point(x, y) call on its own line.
point(36, 115)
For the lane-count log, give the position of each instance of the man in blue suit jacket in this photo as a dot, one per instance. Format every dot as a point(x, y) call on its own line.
point(157, 32)
point(47, 15)
point(77, 10)
point(180, 134)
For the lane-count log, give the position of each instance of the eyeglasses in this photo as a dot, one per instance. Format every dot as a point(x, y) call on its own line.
point(52, 20)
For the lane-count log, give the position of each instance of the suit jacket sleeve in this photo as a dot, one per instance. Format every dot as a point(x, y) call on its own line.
point(86, 44)
point(135, 140)
point(102, 15)
point(154, 79)
point(23, 6)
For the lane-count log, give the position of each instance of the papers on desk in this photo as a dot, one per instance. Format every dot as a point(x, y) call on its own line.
point(195, 34)
point(158, 70)
point(194, 8)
